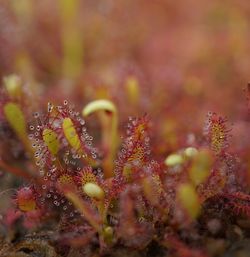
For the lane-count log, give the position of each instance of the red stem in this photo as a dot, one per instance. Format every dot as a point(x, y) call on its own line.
point(16, 171)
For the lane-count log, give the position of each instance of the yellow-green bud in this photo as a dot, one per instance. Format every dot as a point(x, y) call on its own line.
point(12, 84)
point(173, 160)
point(93, 190)
point(190, 152)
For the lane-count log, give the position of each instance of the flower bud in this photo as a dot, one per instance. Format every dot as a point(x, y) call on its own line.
point(93, 190)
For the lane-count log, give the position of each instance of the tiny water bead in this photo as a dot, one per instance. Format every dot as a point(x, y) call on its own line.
point(50, 107)
point(56, 203)
point(62, 130)
point(52, 135)
point(36, 115)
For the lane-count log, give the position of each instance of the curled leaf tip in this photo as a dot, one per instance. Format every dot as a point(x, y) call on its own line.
point(99, 105)
point(109, 127)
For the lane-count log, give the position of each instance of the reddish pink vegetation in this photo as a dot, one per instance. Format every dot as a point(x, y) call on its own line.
point(137, 205)
point(248, 96)
point(134, 154)
point(238, 202)
point(138, 174)
point(26, 199)
point(180, 249)
point(217, 133)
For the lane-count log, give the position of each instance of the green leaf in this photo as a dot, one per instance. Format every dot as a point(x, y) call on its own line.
point(16, 119)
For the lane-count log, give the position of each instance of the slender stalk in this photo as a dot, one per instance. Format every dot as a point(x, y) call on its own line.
point(110, 130)
point(88, 213)
point(72, 40)
point(16, 171)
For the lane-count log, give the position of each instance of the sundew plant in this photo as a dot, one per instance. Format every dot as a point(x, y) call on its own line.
point(108, 149)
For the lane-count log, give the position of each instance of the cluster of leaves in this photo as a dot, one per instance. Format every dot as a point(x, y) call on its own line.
point(121, 195)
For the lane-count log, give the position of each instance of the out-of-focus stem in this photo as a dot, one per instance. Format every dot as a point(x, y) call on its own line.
point(110, 133)
point(17, 121)
point(16, 171)
point(71, 39)
point(23, 64)
point(23, 12)
point(132, 90)
point(91, 217)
